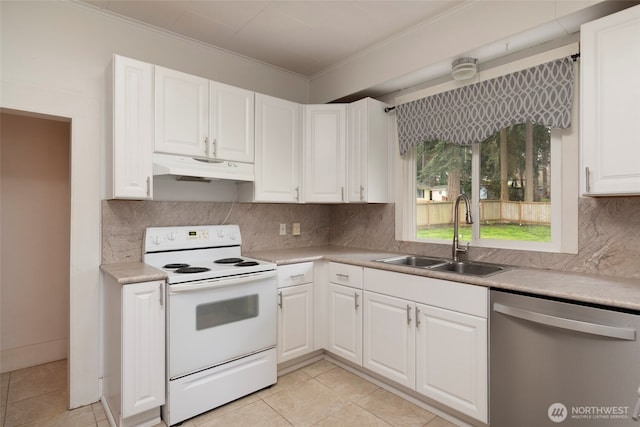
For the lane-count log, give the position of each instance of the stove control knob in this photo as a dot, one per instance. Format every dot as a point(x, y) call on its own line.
point(155, 240)
point(233, 236)
point(172, 236)
point(221, 233)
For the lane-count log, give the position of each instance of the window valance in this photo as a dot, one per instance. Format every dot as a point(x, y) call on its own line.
point(542, 94)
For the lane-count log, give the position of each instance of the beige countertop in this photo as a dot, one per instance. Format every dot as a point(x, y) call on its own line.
point(605, 290)
point(133, 272)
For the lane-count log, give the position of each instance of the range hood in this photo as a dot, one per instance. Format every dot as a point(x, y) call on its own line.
point(185, 166)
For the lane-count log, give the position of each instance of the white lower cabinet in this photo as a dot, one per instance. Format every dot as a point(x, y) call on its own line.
point(134, 365)
point(451, 356)
point(345, 322)
point(429, 335)
point(295, 311)
point(389, 338)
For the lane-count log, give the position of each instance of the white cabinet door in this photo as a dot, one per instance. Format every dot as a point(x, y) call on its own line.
point(295, 321)
point(345, 322)
point(389, 338)
point(143, 347)
point(324, 153)
point(278, 150)
point(231, 122)
point(182, 113)
point(452, 359)
point(132, 139)
point(610, 104)
point(368, 156)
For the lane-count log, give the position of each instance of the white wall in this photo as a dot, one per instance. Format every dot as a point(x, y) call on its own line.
point(485, 29)
point(53, 61)
point(35, 212)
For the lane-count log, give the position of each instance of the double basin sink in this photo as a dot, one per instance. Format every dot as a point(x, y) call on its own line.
point(470, 268)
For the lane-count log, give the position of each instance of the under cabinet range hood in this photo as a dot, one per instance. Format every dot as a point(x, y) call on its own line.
point(205, 169)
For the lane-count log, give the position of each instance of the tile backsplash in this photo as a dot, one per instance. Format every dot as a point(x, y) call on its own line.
point(609, 231)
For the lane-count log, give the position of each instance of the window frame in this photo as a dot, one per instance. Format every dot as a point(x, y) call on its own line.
point(564, 171)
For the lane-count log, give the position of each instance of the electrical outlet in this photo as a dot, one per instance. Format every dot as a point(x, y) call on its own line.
point(295, 229)
point(283, 229)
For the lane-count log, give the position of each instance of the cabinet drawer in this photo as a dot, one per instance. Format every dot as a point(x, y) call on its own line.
point(461, 297)
point(295, 274)
point(344, 274)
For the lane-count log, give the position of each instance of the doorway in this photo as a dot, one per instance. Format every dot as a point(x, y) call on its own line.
point(35, 212)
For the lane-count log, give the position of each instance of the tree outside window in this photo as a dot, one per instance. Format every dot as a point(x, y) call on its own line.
point(514, 182)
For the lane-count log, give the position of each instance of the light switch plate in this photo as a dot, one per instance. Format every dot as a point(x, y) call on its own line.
point(283, 229)
point(295, 229)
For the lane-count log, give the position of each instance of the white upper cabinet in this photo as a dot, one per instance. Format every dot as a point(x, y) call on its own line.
point(610, 104)
point(367, 152)
point(182, 113)
point(278, 150)
point(325, 130)
point(201, 118)
point(131, 143)
point(231, 122)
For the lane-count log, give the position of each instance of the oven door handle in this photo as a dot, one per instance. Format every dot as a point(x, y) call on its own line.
point(221, 282)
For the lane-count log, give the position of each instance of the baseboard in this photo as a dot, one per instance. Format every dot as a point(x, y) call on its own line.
point(31, 355)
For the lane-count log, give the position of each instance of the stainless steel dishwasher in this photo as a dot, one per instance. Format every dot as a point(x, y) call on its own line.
point(555, 363)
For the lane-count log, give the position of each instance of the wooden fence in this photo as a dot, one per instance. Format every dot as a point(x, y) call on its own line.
point(491, 212)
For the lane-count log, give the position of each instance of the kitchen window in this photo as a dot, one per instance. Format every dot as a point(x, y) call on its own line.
point(522, 181)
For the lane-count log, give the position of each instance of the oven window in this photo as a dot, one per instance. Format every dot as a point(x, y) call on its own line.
point(228, 311)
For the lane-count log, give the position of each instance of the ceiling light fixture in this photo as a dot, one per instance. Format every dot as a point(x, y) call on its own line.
point(464, 68)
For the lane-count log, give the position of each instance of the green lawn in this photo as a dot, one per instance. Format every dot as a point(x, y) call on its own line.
point(530, 233)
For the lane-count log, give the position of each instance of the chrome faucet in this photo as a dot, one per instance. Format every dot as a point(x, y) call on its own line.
point(456, 249)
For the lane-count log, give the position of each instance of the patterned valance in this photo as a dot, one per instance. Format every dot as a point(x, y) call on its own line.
point(542, 94)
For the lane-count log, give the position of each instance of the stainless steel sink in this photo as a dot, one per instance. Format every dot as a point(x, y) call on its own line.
point(470, 268)
point(412, 260)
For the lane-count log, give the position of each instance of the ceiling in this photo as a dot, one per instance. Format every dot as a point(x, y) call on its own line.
point(302, 36)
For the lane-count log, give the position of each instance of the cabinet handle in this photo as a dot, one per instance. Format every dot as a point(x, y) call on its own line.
point(213, 148)
point(148, 186)
point(280, 299)
point(587, 176)
point(341, 276)
point(297, 190)
point(408, 314)
point(296, 276)
point(342, 193)
point(161, 298)
point(362, 193)
point(206, 146)
point(417, 317)
point(356, 298)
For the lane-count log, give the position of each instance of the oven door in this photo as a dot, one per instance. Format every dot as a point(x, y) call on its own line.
point(213, 321)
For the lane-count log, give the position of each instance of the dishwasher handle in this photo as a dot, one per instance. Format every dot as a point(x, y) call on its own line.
point(570, 324)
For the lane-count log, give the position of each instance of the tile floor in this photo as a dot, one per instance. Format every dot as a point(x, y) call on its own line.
point(320, 394)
